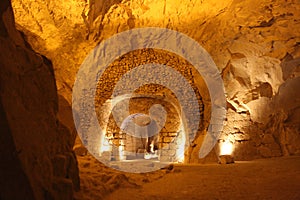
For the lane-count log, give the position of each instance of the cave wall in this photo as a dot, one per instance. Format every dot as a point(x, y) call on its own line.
point(255, 45)
point(37, 161)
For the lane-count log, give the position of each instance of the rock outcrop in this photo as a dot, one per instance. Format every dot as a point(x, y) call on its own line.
point(255, 44)
point(36, 152)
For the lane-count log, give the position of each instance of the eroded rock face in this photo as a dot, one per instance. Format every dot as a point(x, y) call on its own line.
point(35, 144)
point(255, 45)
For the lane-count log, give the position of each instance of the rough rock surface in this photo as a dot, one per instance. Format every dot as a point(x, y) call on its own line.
point(255, 45)
point(37, 157)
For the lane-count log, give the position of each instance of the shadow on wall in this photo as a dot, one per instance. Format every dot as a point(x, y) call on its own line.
point(247, 40)
point(284, 124)
point(64, 114)
point(93, 15)
point(13, 178)
point(273, 128)
point(237, 36)
point(38, 162)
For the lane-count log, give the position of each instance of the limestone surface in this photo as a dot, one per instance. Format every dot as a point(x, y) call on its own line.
point(255, 45)
point(37, 157)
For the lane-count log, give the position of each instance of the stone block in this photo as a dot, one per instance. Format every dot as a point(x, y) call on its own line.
point(80, 150)
point(265, 152)
point(165, 159)
point(168, 139)
point(226, 159)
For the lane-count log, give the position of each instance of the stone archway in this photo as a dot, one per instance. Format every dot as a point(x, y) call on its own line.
point(148, 94)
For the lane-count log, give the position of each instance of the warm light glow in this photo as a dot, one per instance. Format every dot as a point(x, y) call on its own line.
point(104, 145)
point(226, 148)
point(152, 147)
point(152, 154)
point(180, 158)
point(121, 153)
point(181, 145)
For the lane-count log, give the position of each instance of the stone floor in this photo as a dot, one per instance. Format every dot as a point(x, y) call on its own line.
point(276, 178)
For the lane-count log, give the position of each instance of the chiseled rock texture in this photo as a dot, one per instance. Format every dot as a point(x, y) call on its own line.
point(254, 43)
point(37, 161)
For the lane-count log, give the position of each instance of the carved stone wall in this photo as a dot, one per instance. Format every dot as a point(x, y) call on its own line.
point(255, 45)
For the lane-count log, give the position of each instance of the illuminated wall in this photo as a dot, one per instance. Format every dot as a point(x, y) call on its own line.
point(255, 45)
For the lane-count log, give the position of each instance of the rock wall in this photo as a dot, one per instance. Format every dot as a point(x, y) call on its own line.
point(37, 161)
point(255, 45)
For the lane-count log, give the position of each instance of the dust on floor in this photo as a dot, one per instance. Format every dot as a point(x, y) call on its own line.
point(276, 178)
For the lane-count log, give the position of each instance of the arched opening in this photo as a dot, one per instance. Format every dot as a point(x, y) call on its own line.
point(170, 142)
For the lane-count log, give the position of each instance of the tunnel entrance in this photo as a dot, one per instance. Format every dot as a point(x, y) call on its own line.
point(157, 136)
point(161, 137)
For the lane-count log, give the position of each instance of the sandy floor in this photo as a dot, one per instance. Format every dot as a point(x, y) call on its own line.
point(276, 178)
